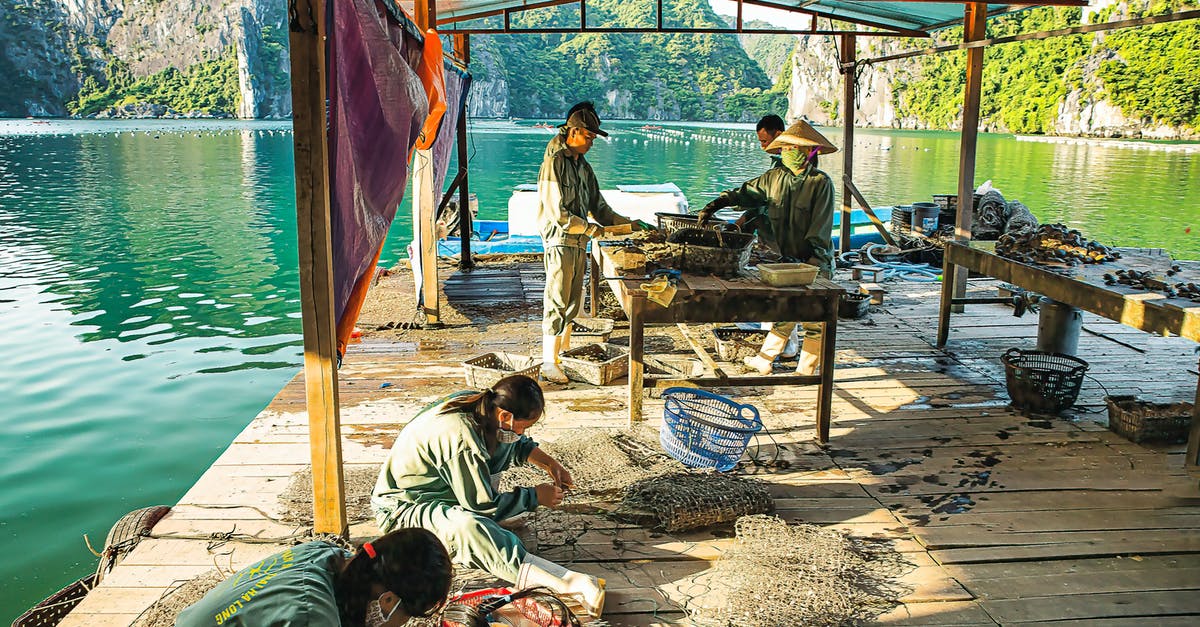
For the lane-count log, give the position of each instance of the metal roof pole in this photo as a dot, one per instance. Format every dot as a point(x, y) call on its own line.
point(849, 84)
point(463, 45)
point(306, 41)
point(974, 29)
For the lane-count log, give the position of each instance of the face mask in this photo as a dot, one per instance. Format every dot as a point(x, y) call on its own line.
point(375, 617)
point(794, 160)
point(505, 436)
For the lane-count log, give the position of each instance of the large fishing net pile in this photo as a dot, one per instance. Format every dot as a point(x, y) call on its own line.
point(781, 575)
point(162, 613)
point(652, 488)
point(994, 216)
point(297, 498)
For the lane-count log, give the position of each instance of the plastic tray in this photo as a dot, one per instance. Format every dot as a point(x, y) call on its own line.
point(598, 364)
point(733, 343)
point(592, 329)
point(788, 274)
point(486, 370)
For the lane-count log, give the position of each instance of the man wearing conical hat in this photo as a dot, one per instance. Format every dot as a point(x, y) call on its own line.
point(795, 219)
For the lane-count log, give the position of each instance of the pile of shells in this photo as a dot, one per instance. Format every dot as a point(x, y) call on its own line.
point(1053, 243)
point(1155, 283)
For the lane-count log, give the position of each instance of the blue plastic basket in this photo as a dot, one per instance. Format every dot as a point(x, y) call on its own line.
point(706, 430)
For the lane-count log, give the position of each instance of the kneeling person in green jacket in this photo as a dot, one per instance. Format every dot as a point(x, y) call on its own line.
point(439, 477)
point(401, 575)
point(793, 215)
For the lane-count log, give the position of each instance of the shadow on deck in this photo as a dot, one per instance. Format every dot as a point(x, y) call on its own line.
point(1006, 519)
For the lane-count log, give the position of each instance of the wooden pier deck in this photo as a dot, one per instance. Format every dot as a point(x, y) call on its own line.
point(1005, 519)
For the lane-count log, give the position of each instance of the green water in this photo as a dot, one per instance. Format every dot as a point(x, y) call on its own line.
point(148, 298)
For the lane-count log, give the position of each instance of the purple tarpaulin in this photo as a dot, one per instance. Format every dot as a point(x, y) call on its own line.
point(376, 108)
point(458, 83)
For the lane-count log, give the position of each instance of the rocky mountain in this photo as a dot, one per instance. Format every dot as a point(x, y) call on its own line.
point(1141, 82)
point(627, 75)
point(64, 56)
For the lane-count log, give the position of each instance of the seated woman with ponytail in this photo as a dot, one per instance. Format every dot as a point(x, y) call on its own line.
point(439, 477)
point(401, 575)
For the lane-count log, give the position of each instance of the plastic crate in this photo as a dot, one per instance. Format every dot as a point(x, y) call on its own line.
point(788, 274)
point(678, 367)
point(55, 608)
point(733, 344)
point(1041, 382)
point(592, 329)
point(668, 223)
point(486, 370)
point(706, 430)
point(1142, 421)
point(598, 364)
point(705, 251)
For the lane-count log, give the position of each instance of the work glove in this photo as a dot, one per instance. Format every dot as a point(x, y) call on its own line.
point(593, 230)
point(640, 225)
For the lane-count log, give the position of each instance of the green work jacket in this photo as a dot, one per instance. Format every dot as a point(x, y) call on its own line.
point(440, 458)
point(794, 211)
point(293, 588)
point(567, 195)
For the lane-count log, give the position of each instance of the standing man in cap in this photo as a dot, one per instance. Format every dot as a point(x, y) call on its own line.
point(568, 195)
point(795, 219)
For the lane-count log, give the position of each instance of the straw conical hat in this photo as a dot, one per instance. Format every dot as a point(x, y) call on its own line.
point(803, 134)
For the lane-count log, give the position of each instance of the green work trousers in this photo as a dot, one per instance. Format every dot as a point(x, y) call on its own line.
point(563, 298)
point(473, 541)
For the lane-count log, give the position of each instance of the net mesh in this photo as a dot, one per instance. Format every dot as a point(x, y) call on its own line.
point(297, 498)
point(678, 502)
point(780, 575)
point(162, 613)
point(653, 489)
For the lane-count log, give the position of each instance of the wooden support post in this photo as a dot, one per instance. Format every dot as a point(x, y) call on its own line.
point(849, 52)
point(636, 357)
point(975, 29)
point(462, 46)
point(948, 271)
point(311, 149)
point(1192, 460)
point(828, 361)
point(424, 208)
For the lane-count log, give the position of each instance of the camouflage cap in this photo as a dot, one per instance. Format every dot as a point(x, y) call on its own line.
point(585, 119)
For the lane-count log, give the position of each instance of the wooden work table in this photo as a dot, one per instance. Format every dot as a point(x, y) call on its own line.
point(706, 299)
point(1083, 287)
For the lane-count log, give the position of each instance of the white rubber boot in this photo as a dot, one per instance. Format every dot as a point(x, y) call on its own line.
point(793, 344)
point(550, 369)
point(589, 590)
point(810, 356)
point(772, 346)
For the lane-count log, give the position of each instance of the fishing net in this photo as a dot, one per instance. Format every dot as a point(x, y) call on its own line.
point(603, 463)
point(779, 575)
point(297, 499)
point(162, 613)
point(653, 489)
point(682, 501)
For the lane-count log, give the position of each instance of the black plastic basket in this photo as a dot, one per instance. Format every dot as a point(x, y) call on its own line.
point(668, 223)
point(1041, 382)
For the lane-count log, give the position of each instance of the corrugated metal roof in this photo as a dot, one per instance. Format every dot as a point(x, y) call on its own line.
point(912, 15)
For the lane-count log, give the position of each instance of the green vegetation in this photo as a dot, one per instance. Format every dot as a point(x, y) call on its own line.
point(693, 76)
point(1156, 72)
point(1150, 72)
point(209, 86)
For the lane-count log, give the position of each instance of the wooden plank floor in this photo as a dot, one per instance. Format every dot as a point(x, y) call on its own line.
point(1005, 519)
